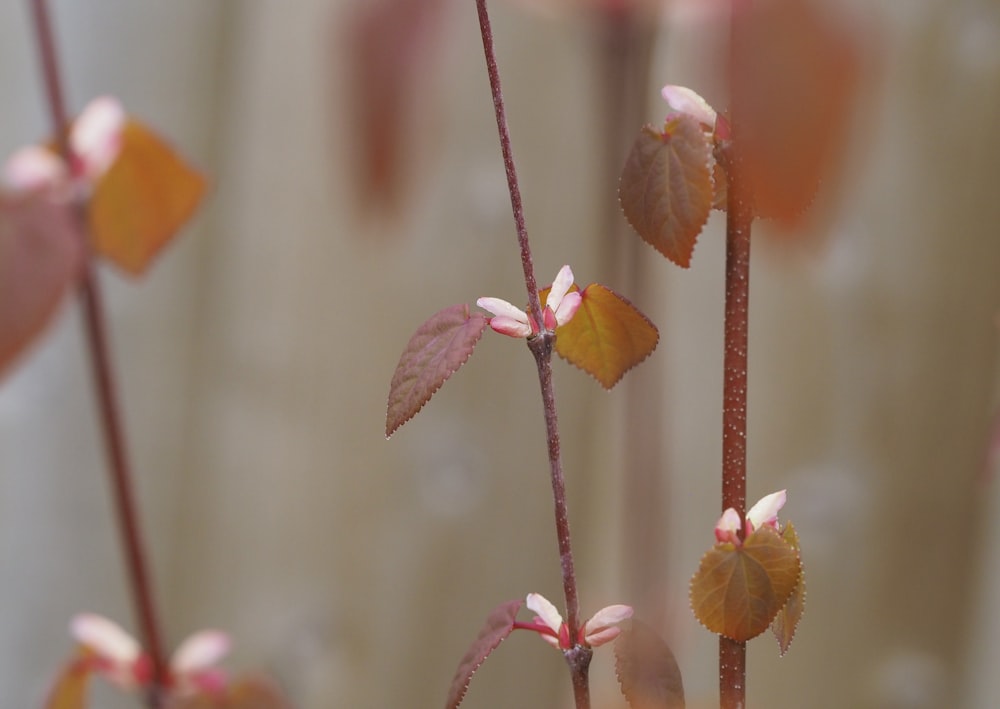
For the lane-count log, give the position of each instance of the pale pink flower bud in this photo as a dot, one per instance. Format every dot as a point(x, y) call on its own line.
point(728, 527)
point(684, 100)
point(96, 138)
point(117, 651)
point(765, 512)
point(32, 168)
point(603, 626)
point(559, 309)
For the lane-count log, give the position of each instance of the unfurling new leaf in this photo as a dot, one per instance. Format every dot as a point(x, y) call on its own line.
point(607, 336)
point(788, 617)
point(437, 349)
point(666, 189)
point(739, 590)
point(498, 626)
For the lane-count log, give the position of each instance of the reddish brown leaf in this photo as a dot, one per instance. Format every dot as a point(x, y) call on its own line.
point(245, 693)
point(788, 617)
point(647, 670)
point(793, 74)
point(738, 591)
point(607, 336)
point(143, 199)
point(390, 45)
point(70, 689)
point(41, 255)
point(437, 349)
point(666, 187)
point(499, 625)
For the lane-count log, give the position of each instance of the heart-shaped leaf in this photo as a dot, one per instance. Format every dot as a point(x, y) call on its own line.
point(666, 186)
point(70, 688)
point(245, 693)
point(41, 255)
point(788, 617)
point(437, 349)
point(607, 336)
point(143, 199)
point(793, 74)
point(499, 625)
point(738, 591)
point(647, 670)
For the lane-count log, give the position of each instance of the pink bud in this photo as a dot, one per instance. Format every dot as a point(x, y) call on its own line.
point(728, 527)
point(118, 651)
point(97, 136)
point(603, 626)
point(684, 100)
point(765, 512)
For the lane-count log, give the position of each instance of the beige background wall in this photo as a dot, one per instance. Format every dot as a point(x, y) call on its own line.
point(255, 362)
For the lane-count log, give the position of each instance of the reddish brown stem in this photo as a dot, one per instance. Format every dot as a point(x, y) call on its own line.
point(578, 658)
point(104, 379)
point(732, 654)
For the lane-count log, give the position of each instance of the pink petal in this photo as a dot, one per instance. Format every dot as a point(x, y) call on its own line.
point(199, 652)
point(97, 135)
point(568, 307)
point(603, 626)
point(560, 286)
point(728, 526)
point(765, 512)
point(105, 638)
point(684, 100)
point(502, 308)
point(510, 327)
point(32, 168)
point(547, 612)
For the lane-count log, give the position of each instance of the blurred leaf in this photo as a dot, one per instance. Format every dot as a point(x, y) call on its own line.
point(390, 45)
point(738, 591)
point(437, 349)
point(499, 625)
point(647, 670)
point(788, 617)
point(666, 187)
point(607, 336)
point(143, 199)
point(245, 693)
point(793, 75)
point(41, 255)
point(70, 689)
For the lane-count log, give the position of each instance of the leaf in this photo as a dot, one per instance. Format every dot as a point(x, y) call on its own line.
point(499, 625)
point(143, 199)
point(70, 689)
point(437, 349)
point(788, 617)
point(647, 670)
point(245, 693)
point(41, 257)
point(666, 187)
point(738, 591)
point(793, 74)
point(607, 336)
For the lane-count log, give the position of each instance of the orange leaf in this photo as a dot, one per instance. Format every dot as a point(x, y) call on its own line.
point(666, 187)
point(647, 670)
point(70, 689)
point(607, 336)
point(143, 199)
point(738, 591)
point(41, 254)
point(788, 617)
point(793, 74)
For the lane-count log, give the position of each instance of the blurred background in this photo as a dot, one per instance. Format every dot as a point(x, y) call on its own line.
point(255, 359)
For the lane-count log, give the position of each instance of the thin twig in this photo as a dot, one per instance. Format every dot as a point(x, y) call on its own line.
point(119, 471)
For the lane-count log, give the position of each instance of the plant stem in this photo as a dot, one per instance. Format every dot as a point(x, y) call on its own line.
point(104, 379)
point(534, 308)
point(739, 216)
point(578, 657)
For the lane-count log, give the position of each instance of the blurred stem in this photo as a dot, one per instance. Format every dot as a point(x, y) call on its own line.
point(120, 476)
point(739, 216)
point(578, 657)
